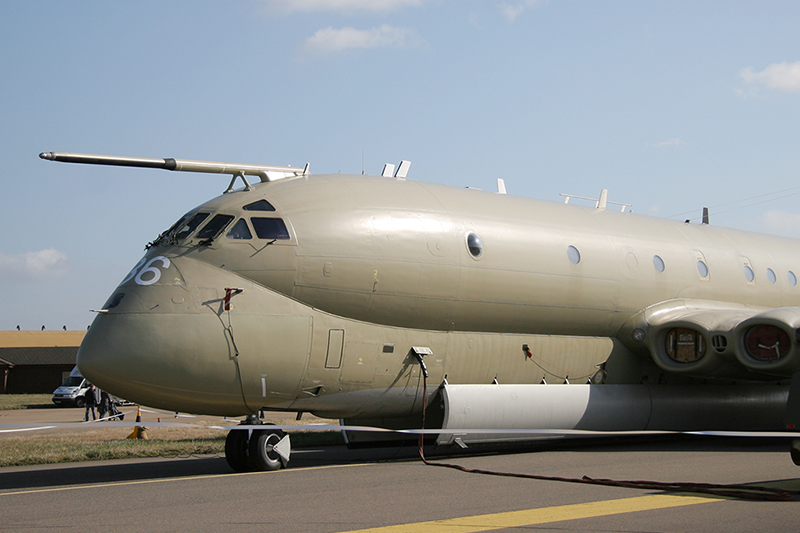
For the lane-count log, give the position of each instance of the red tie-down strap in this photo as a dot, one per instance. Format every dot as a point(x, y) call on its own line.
point(230, 292)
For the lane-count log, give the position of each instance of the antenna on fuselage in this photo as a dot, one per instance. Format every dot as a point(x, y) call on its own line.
point(401, 173)
point(602, 202)
point(402, 169)
point(501, 186)
point(705, 215)
point(599, 203)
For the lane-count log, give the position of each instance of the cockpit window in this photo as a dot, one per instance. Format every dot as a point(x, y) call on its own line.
point(190, 226)
point(214, 227)
point(175, 226)
point(261, 205)
point(270, 228)
point(169, 235)
point(240, 231)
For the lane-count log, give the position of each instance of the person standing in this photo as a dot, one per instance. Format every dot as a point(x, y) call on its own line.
point(105, 404)
point(90, 399)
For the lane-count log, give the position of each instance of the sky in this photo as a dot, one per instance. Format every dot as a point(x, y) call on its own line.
point(670, 105)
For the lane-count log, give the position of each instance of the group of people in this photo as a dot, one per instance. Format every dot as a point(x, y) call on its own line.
point(100, 399)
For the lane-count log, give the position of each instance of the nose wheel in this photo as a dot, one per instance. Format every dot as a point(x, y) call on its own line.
point(256, 449)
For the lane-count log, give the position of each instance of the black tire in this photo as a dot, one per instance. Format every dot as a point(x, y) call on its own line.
point(261, 456)
point(236, 450)
point(79, 402)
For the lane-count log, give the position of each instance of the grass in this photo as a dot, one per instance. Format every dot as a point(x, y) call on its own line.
point(102, 445)
point(111, 442)
point(25, 401)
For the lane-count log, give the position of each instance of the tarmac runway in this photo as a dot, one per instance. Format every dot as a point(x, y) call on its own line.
point(386, 490)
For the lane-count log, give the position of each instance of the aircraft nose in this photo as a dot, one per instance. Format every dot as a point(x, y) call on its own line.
point(166, 339)
point(162, 342)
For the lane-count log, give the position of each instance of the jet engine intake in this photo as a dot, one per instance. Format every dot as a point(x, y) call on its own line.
point(685, 347)
point(768, 342)
point(708, 338)
point(690, 337)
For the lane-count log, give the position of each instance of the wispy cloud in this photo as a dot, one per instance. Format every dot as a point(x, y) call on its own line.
point(784, 77)
point(31, 266)
point(672, 142)
point(335, 40)
point(511, 11)
point(372, 6)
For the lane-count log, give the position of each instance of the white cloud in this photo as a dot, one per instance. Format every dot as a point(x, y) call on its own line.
point(511, 12)
point(672, 142)
point(782, 223)
point(33, 265)
point(777, 76)
point(332, 40)
point(374, 6)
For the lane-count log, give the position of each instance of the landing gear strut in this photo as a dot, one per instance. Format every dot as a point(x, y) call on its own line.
point(255, 449)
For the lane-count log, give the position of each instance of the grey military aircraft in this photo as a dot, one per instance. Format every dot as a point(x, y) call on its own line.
point(344, 295)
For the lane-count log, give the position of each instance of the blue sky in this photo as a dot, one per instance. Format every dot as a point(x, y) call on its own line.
point(671, 106)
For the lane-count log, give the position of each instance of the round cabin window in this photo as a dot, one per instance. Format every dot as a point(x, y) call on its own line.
point(474, 245)
point(702, 269)
point(771, 276)
point(574, 255)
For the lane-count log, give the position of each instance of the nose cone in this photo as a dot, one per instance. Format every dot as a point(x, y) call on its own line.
point(173, 362)
point(165, 339)
point(164, 343)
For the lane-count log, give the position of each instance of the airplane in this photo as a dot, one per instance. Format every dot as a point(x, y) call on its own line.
point(344, 295)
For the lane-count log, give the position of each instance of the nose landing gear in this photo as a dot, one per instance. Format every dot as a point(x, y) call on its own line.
point(253, 449)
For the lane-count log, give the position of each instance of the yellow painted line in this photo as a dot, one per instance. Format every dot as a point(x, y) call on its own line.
point(544, 515)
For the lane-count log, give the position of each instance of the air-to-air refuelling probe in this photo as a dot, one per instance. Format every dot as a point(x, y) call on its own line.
point(336, 294)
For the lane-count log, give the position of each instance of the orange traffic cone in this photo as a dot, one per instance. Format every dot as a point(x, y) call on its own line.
point(139, 432)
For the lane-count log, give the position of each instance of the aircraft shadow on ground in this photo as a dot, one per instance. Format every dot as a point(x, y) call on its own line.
point(90, 473)
point(80, 474)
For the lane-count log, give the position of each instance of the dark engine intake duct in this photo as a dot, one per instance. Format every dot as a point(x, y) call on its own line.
point(768, 341)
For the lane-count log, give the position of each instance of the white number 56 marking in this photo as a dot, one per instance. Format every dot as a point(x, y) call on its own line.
point(148, 273)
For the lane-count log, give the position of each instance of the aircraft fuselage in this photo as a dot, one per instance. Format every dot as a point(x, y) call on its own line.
point(362, 269)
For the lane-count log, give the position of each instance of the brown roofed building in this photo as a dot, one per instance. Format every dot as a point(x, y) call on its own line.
point(33, 362)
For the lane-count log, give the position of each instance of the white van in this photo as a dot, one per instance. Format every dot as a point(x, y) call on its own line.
point(71, 392)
